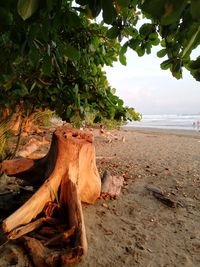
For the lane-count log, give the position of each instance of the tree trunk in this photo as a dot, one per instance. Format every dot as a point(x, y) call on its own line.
point(71, 152)
point(68, 175)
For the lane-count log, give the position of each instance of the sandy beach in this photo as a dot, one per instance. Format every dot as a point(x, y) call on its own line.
point(136, 229)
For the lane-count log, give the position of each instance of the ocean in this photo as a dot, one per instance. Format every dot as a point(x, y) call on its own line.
point(175, 122)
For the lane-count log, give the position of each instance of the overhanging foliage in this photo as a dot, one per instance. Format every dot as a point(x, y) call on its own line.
point(52, 52)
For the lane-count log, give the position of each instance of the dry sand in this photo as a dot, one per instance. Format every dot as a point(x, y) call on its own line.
point(136, 229)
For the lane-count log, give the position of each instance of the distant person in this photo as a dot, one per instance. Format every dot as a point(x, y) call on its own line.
point(194, 125)
point(198, 125)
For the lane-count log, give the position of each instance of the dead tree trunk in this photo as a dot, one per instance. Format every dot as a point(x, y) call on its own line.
point(68, 175)
point(71, 152)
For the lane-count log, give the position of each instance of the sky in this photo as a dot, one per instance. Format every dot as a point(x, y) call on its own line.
point(143, 85)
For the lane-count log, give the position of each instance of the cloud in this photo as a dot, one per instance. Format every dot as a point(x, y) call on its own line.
point(143, 85)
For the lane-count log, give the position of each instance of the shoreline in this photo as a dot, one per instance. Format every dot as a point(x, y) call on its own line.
point(192, 133)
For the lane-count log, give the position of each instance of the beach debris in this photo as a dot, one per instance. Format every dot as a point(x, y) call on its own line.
point(105, 205)
point(67, 175)
point(165, 198)
point(123, 139)
point(111, 185)
point(109, 136)
point(32, 146)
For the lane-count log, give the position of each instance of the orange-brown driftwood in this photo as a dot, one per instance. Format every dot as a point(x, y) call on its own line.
point(74, 152)
point(67, 175)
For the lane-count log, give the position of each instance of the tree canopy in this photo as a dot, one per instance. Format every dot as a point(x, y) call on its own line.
point(52, 53)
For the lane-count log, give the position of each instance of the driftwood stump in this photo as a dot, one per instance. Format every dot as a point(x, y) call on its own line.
point(52, 218)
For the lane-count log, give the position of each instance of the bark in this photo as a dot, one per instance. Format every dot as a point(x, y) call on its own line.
point(22, 230)
point(67, 175)
point(73, 149)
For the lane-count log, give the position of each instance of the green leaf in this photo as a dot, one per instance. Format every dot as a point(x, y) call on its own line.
point(155, 41)
point(124, 48)
point(70, 51)
point(120, 103)
point(113, 32)
point(134, 43)
point(94, 69)
point(146, 29)
point(195, 7)
point(153, 36)
point(155, 8)
point(26, 8)
point(148, 49)
point(46, 66)
point(95, 7)
point(109, 12)
point(53, 98)
point(140, 51)
point(196, 75)
point(122, 59)
point(33, 86)
point(177, 69)
point(162, 53)
point(23, 90)
point(166, 64)
point(195, 64)
point(132, 32)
